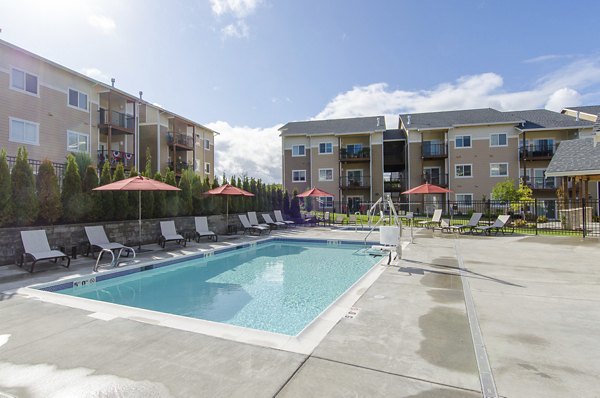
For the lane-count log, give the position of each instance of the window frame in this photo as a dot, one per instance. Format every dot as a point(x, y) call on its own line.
point(87, 100)
point(205, 168)
point(298, 146)
point(499, 134)
point(463, 166)
point(325, 143)
point(206, 140)
point(79, 134)
point(298, 171)
point(462, 136)
point(326, 169)
point(10, 131)
point(24, 89)
point(462, 201)
point(499, 175)
point(324, 202)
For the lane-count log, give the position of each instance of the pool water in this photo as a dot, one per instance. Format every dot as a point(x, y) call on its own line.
point(274, 286)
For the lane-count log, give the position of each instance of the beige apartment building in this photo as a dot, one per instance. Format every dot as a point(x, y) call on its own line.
point(53, 111)
point(341, 156)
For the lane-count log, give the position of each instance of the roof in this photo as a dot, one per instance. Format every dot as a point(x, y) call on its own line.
point(449, 119)
point(335, 126)
point(538, 119)
point(97, 82)
point(590, 109)
point(575, 157)
point(393, 135)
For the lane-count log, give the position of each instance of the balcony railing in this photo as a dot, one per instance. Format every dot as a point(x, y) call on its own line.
point(395, 185)
point(179, 166)
point(353, 155)
point(355, 182)
point(440, 179)
point(542, 183)
point(433, 150)
point(180, 139)
point(114, 157)
point(116, 119)
point(537, 151)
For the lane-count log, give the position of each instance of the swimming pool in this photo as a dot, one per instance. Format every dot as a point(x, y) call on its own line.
point(277, 285)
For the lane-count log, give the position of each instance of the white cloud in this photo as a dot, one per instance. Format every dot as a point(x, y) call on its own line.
point(547, 57)
point(103, 23)
point(561, 98)
point(238, 8)
point(95, 73)
point(255, 152)
point(238, 30)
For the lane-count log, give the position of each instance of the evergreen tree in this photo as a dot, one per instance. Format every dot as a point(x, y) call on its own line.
point(198, 195)
point(48, 193)
point(106, 197)
point(285, 205)
point(186, 204)
point(24, 200)
point(295, 206)
point(83, 160)
point(91, 199)
point(134, 198)
point(148, 196)
point(160, 200)
point(71, 196)
point(6, 207)
point(120, 198)
point(172, 196)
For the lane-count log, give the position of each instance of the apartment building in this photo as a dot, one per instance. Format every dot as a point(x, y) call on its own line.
point(341, 156)
point(53, 111)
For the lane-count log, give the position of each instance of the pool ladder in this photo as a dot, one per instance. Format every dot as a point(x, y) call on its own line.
point(115, 259)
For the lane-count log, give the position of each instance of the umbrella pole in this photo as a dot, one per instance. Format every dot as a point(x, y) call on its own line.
point(139, 221)
point(227, 213)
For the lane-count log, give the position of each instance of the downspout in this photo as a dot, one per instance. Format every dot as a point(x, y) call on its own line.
point(194, 146)
point(158, 140)
point(371, 199)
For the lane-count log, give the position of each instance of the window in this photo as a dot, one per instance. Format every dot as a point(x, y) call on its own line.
point(498, 139)
point(298, 150)
point(326, 201)
point(354, 149)
point(325, 147)
point(325, 174)
point(206, 144)
point(78, 99)
point(498, 169)
point(463, 141)
point(207, 168)
point(465, 199)
point(298, 175)
point(78, 142)
point(24, 132)
point(463, 170)
point(24, 81)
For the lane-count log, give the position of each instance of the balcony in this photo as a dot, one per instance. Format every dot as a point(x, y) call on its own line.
point(542, 184)
point(179, 166)
point(537, 151)
point(439, 180)
point(180, 141)
point(118, 121)
point(355, 182)
point(355, 155)
point(395, 185)
point(431, 150)
point(114, 157)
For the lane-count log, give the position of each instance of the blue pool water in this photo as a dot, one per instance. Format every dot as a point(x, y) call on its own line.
point(275, 286)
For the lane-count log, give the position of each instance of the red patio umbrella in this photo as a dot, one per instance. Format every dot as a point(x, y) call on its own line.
point(315, 193)
point(426, 189)
point(137, 183)
point(228, 190)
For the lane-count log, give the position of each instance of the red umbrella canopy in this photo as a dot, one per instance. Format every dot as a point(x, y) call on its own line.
point(315, 192)
point(137, 183)
point(427, 188)
point(227, 189)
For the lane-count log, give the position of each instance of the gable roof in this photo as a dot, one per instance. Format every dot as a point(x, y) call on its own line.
point(449, 119)
point(575, 157)
point(541, 119)
point(335, 126)
point(590, 109)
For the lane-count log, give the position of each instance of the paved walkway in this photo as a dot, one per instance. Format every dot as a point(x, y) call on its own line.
point(536, 301)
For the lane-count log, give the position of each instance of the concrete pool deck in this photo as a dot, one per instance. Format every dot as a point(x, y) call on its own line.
point(535, 300)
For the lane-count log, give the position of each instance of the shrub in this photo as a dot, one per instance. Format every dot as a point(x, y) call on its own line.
point(6, 207)
point(160, 199)
point(48, 193)
point(91, 199)
point(71, 196)
point(147, 196)
point(120, 198)
point(186, 204)
point(198, 196)
point(83, 161)
point(172, 197)
point(285, 207)
point(295, 206)
point(25, 204)
point(542, 219)
point(134, 198)
point(106, 197)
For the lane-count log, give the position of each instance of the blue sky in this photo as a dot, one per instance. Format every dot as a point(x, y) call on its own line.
point(244, 67)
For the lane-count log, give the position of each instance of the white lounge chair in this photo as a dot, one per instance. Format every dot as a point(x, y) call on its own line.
point(98, 240)
point(435, 220)
point(254, 219)
point(279, 218)
point(498, 226)
point(169, 234)
point(270, 221)
point(37, 247)
point(249, 227)
point(202, 229)
point(389, 240)
point(473, 222)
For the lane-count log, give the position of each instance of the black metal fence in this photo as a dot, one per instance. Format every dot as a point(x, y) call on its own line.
point(59, 168)
point(534, 217)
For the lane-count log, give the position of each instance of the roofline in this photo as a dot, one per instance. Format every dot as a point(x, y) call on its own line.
point(556, 128)
point(572, 173)
point(97, 82)
point(320, 134)
point(463, 125)
point(575, 110)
